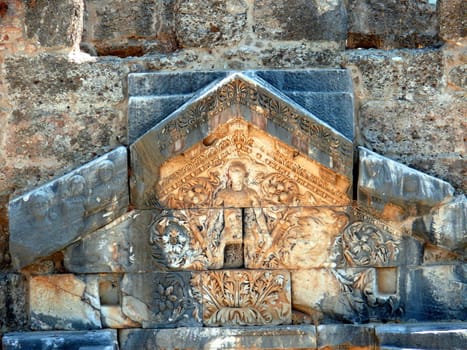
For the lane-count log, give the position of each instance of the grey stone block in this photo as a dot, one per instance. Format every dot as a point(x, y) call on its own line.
point(145, 112)
point(312, 80)
point(344, 336)
point(428, 336)
point(68, 208)
point(66, 340)
point(279, 337)
point(383, 181)
point(436, 293)
point(160, 300)
point(335, 109)
point(170, 83)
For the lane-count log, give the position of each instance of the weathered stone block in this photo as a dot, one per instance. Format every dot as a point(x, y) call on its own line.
point(64, 301)
point(128, 28)
point(387, 24)
point(244, 297)
point(297, 238)
point(436, 293)
point(68, 207)
point(12, 302)
point(220, 23)
point(451, 16)
point(430, 336)
point(300, 20)
point(396, 74)
point(95, 340)
point(345, 337)
point(395, 190)
point(160, 300)
point(410, 130)
point(63, 26)
point(278, 337)
point(445, 226)
point(121, 246)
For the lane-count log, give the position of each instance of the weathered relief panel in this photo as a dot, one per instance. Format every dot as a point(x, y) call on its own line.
point(241, 216)
point(68, 208)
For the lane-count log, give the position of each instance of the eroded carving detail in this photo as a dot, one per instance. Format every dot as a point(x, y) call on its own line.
point(239, 297)
point(277, 173)
point(257, 100)
point(299, 237)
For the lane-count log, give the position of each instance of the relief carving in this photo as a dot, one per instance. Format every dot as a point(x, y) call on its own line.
point(240, 297)
point(202, 176)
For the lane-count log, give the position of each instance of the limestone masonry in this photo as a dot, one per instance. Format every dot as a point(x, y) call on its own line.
point(245, 174)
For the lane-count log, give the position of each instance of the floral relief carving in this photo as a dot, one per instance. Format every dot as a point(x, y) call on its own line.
point(240, 297)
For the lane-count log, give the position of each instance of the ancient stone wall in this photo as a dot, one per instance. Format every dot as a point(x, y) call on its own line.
point(64, 66)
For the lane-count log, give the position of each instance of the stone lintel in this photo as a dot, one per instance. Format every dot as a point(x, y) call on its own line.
point(54, 215)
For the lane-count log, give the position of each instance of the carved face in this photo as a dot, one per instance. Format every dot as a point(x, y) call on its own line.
point(237, 175)
point(106, 171)
point(77, 184)
point(40, 205)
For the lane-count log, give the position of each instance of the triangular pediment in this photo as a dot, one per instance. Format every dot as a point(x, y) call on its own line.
point(237, 97)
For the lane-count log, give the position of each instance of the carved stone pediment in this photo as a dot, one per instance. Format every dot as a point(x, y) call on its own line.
point(245, 119)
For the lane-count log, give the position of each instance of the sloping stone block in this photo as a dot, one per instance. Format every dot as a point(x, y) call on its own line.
point(448, 225)
point(345, 337)
point(160, 300)
point(64, 302)
point(68, 208)
point(244, 297)
point(235, 97)
point(429, 336)
point(436, 293)
point(393, 188)
point(78, 340)
point(278, 337)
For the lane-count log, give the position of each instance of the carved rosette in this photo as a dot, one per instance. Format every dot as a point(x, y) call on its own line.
point(241, 297)
point(364, 244)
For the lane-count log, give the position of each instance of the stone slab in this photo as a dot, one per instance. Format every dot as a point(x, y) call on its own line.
point(436, 293)
point(121, 246)
point(13, 297)
point(345, 337)
point(160, 300)
point(69, 340)
point(64, 301)
point(429, 336)
point(244, 297)
point(395, 190)
point(278, 337)
point(68, 208)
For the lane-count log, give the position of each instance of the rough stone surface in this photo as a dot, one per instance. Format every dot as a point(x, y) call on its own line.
point(209, 23)
point(436, 293)
point(68, 207)
point(430, 336)
point(345, 337)
point(83, 340)
point(395, 190)
point(126, 247)
point(128, 28)
point(279, 337)
point(63, 302)
point(72, 114)
point(5, 258)
point(424, 134)
point(452, 20)
point(392, 24)
point(300, 20)
point(395, 74)
point(63, 25)
point(160, 300)
point(12, 303)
